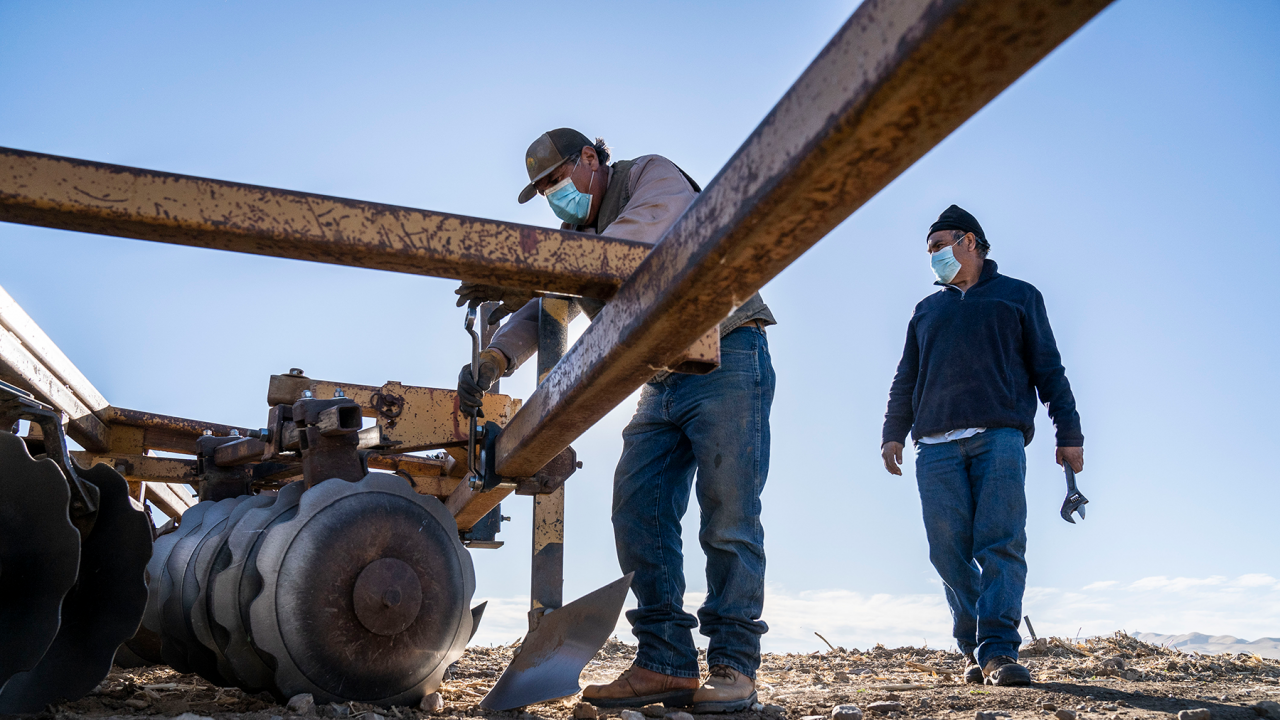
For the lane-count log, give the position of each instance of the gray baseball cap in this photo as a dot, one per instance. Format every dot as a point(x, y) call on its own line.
point(549, 152)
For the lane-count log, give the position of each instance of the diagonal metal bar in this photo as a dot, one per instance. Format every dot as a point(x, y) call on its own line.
point(14, 319)
point(896, 79)
point(19, 366)
point(69, 194)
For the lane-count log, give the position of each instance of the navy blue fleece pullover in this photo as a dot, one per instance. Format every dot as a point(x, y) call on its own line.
point(977, 359)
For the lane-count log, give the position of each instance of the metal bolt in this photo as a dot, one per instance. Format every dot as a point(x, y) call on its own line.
point(337, 393)
point(474, 483)
point(207, 431)
point(505, 518)
point(578, 464)
point(296, 372)
point(235, 432)
point(306, 395)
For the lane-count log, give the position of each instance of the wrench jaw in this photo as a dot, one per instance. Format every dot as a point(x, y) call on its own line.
point(1075, 502)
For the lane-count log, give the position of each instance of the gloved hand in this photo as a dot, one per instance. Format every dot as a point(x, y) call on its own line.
point(471, 392)
point(512, 299)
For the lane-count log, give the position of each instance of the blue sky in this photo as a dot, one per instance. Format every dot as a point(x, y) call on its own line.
point(1132, 176)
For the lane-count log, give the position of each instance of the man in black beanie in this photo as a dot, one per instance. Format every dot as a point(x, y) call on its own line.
point(978, 351)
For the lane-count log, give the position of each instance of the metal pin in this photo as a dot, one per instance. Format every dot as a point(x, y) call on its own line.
point(207, 431)
point(306, 395)
point(235, 432)
point(337, 393)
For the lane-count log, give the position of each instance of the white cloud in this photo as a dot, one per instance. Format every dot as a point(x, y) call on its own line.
point(1256, 580)
point(1101, 585)
point(1179, 584)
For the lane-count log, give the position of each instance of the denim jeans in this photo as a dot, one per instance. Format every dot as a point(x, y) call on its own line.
point(718, 425)
point(975, 515)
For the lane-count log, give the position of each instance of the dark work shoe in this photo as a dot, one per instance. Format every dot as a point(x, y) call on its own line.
point(972, 670)
point(1006, 672)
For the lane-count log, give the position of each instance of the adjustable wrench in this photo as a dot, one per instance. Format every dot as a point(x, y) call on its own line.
point(1076, 500)
point(475, 376)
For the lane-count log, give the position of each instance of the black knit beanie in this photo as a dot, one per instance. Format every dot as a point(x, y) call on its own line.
point(957, 218)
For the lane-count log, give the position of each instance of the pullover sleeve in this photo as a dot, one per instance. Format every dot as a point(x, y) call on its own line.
point(900, 416)
point(518, 336)
point(1050, 378)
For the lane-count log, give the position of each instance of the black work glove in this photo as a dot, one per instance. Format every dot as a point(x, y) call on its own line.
point(512, 299)
point(471, 392)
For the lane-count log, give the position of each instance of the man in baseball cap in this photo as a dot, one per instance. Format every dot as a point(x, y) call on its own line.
point(715, 425)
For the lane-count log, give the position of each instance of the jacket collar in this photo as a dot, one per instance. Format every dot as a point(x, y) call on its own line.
point(989, 271)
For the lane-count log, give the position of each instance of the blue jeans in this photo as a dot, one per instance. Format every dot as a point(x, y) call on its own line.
point(718, 425)
point(975, 515)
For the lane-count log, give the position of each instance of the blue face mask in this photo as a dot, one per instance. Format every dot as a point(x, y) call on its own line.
point(568, 202)
point(944, 262)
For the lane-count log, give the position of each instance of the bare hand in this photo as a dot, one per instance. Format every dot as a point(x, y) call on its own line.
point(1073, 456)
point(892, 454)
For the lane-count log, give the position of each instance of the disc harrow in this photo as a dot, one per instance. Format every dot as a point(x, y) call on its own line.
point(348, 591)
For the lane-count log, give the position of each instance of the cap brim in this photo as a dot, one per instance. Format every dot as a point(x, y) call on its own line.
point(529, 190)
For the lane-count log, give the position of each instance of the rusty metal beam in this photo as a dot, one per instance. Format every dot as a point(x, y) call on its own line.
point(21, 367)
point(91, 197)
point(164, 432)
point(14, 319)
point(897, 78)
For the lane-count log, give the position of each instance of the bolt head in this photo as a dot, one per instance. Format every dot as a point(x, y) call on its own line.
point(208, 431)
point(235, 432)
point(296, 372)
point(306, 395)
point(337, 393)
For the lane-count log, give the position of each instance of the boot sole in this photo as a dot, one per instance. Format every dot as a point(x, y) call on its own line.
point(675, 698)
point(725, 706)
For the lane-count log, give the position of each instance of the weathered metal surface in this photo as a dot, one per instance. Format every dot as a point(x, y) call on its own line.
point(142, 468)
point(547, 565)
point(164, 432)
point(310, 618)
point(172, 501)
point(702, 357)
point(70, 194)
point(23, 369)
point(557, 648)
point(899, 77)
point(412, 418)
point(14, 319)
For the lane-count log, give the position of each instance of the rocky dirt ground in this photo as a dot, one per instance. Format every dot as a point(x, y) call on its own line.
point(1111, 678)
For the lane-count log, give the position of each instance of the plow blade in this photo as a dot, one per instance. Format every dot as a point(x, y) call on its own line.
point(553, 654)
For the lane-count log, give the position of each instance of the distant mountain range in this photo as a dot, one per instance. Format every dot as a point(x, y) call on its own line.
point(1267, 647)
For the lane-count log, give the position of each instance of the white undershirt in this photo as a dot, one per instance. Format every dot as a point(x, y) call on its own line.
point(950, 435)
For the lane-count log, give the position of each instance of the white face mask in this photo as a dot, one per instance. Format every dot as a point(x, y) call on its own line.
point(944, 263)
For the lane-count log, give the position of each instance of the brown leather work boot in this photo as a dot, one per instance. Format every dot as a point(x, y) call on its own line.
point(637, 687)
point(727, 690)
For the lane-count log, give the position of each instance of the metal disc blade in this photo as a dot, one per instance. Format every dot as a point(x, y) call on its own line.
point(39, 555)
point(157, 575)
point(553, 654)
point(101, 611)
point(173, 649)
point(211, 560)
point(235, 587)
point(202, 660)
point(366, 593)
